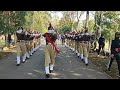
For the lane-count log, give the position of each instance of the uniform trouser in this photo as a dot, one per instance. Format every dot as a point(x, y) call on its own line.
point(63, 41)
point(21, 47)
point(66, 42)
point(117, 57)
point(86, 52)
point(69, 43)
point(81, 50)
point(31, 46)
point(50, 55)
point(21, 50)
point(27, 48)
point(74, 44)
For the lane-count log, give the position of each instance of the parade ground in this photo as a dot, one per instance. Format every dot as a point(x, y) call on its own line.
point(68, 66)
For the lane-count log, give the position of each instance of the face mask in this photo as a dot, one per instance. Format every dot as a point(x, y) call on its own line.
point(19, 31)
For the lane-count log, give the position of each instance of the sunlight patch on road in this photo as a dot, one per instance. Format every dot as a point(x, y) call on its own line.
point(99, 72)
point(37, 71)
point(55, 78)
point(55, 74)
point(90, 69)
point(31, 74)
point(71, 71)
point(76, 74)
point(68, 56)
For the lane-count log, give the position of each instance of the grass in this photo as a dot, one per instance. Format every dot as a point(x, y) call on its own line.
point(102, 63)
point(2, 43)
point(7, 51)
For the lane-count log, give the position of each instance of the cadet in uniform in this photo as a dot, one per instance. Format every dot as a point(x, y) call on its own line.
point(81, 45)
point(50, 50)
point(86, 46)
point(20, 46)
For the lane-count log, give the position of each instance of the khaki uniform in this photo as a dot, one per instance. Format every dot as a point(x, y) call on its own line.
point(86, 47)
point(50, 54)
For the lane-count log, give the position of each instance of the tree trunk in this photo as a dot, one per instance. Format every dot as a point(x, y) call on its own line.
point(6, 41)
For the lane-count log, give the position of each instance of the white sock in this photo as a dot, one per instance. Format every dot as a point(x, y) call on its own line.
point(51, 66)
point(76, 51)
point(78, 54)
point(73, 49)
point(24, 57)
point(18, 59)
point(27, 55)
point(47, 70)
point(31, 53)
point(81, 56)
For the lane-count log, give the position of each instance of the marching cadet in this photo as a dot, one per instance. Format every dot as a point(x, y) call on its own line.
point(27, 35)
point(86, 46)
point(76, 44)
point(115, 50)
point(20, 46)
point(31, 43)
point(50, 50)
point(81, 45)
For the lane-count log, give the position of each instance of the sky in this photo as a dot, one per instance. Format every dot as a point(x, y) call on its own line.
point(83, 17)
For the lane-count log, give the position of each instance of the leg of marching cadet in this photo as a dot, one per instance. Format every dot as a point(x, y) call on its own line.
point(81, 51)
point(18, 53)
point(23, 49)
point(53, 56)
point(86, 53)
point(47, 60)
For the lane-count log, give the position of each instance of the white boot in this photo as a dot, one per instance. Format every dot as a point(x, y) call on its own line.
point(76, 51)
point(73, 49)
point(47, 70)
point(51, 66)
point(82, 56)
point(27, 55)
point(86, 60)
point(31, 53)
point(24, 57)
point(18, 59)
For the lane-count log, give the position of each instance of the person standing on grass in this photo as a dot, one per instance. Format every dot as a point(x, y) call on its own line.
point(115, 50)
point(101, 43)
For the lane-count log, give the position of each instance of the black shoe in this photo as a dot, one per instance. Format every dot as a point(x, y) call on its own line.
point(47, 75)
point(27, 58)
point(51, 71)
point(86, 64)
point(18, 65)
point(82, 59)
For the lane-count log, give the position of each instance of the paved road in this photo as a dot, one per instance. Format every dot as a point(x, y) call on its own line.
point(68, 66)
